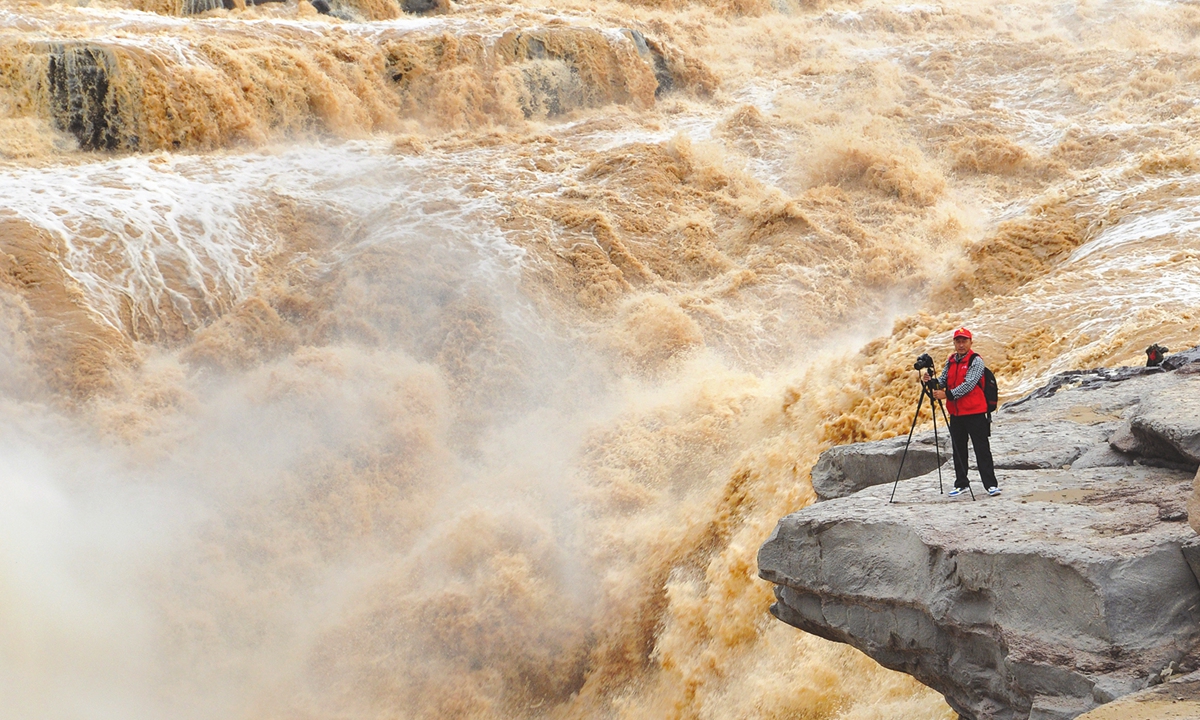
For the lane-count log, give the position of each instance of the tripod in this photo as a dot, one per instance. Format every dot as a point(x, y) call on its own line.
point(927, 387)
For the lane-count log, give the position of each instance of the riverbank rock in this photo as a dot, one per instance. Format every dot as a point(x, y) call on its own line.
point(1071, 589)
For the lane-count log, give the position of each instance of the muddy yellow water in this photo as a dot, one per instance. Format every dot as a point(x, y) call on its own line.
point(374, 364)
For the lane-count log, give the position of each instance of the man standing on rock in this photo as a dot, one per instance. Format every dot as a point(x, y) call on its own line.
point(963, 393)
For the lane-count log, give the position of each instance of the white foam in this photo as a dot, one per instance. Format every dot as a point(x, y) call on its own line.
point(128, 224)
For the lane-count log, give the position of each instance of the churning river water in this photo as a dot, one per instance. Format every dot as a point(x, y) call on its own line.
point(376, 364)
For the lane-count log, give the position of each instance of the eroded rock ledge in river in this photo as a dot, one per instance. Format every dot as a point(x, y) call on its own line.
point(1071, 589)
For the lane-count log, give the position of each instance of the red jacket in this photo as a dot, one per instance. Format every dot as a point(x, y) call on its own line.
point(973, 403)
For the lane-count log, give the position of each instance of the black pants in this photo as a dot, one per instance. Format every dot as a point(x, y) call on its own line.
point(977, 428)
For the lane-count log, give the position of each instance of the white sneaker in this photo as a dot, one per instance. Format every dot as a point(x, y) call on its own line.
point(994, 491)
point(957, 491)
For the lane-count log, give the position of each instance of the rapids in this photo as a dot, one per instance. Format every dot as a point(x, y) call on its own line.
point(377, 364)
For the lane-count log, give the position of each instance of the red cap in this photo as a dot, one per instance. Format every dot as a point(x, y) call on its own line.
point(962, 332)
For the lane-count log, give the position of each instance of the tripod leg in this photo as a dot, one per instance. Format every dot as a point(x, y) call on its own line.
point(912, 427)
point(937, 445)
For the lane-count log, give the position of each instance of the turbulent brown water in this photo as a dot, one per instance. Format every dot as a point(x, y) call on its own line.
point(381, 365)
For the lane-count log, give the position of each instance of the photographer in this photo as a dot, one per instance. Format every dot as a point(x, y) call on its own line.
point(968, 409)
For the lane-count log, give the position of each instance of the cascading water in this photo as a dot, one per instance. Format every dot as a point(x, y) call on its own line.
point(374, 364)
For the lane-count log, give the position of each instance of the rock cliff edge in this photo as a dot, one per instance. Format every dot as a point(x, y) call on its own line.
point(1076, 586)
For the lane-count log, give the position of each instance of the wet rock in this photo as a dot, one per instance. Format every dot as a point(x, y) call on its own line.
point(846, 469)
point(555, 70)
point(82, 102)
point(551, 87)
point(1086, 379)
point(424, 7)
point(195, 7)
point(657, 56)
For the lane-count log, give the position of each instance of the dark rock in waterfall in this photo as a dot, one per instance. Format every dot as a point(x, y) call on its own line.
point(195, 7)
point(424, 7)
point(551, 88)
point(81, 98)
point(322, 7)
point(655, 55)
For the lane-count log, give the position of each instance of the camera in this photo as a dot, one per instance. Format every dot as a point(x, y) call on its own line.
point(924, 362)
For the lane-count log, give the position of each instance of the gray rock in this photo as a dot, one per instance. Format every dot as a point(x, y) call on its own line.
point(1068, 591)
point(1191, 553)
point(1043, 444)
point(424, 7)
point(1110, 687)
point(1171, 423)
point(1123, 440)
point(846, 469)
point(1012, 607)
point(1102, 455)
point(1085, 379)
point(1193, 504)
point(195, 7)
point(1179, 360)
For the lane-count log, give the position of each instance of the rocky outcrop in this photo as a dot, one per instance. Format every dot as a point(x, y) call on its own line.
point(1076, 586)
point(424, 7)
point(82, 101)
point(846, 469)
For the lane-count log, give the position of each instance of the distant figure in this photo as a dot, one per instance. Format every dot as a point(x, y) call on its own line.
point(968, 408)
point(1155, 354)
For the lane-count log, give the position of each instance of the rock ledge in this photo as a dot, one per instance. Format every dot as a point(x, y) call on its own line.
point(1070, 590)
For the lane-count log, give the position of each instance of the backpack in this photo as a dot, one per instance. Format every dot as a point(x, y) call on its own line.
point(991, 392)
